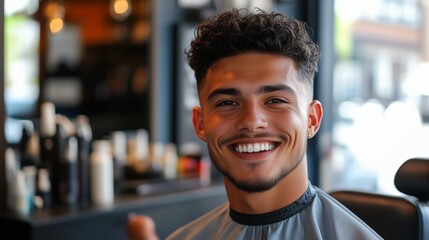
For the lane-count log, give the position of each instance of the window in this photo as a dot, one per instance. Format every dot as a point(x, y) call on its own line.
point(21, 63)
point(380, 92)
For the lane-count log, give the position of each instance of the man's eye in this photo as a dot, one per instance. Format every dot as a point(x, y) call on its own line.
point(276, 100)
point(226, 103)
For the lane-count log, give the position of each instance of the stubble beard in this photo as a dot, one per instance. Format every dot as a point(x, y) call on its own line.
point(251, 185)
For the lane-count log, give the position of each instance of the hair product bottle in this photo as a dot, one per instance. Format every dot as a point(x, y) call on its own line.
point(69, 184)
point(60, 142)
point(102, 193)
point(84, 138)
point(43, 192)
point(47, 143)
point(30, 180)
point(21, 198)
point(47, 134)
point(119, 147)
point(12, 167)
point(170, 160)
point(28, 157)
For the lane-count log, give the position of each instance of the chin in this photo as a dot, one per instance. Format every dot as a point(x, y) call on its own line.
point(254, 187)
point(251, 184)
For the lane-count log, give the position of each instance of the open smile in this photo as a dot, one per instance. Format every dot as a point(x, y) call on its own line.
point(253, 147)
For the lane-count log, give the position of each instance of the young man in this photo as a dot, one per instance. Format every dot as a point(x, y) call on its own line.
point(255, 76)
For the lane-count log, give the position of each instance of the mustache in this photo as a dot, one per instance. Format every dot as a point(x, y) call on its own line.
point(241, 136)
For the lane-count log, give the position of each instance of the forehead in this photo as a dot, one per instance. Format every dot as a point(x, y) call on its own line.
point(252, 69)
point(252, 63)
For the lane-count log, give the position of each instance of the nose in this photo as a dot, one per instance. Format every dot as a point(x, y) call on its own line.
point(252, 118)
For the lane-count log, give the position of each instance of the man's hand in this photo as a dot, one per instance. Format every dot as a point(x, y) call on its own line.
point(141, 227)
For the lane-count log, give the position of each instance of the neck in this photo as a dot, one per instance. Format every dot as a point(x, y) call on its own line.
point(284, 193)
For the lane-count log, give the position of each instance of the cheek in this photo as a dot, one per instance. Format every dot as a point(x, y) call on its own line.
point(288, 121)
point(212, 128)
point(215, 126)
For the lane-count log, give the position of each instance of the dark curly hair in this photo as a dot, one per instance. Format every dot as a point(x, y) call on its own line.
point(239, 31)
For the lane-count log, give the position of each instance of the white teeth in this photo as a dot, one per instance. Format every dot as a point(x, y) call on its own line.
point(255, 147)
point(250, 148)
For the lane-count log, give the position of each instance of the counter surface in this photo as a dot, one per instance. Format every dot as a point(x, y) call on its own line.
point(169, 211)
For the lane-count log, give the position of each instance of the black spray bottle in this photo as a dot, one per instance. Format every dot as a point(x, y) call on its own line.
point(84, 139)
point(60, 140)
point(119, 147)
point(27, 132)
point(69, 182)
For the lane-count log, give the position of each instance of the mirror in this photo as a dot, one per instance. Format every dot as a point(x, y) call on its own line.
point(98, 64)
point(93, 59)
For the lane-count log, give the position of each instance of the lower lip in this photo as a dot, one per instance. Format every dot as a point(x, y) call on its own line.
point(253, 156)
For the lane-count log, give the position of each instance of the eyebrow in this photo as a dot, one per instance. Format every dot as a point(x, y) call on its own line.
point(224, 91)
point(261, 90)
point(274, 88)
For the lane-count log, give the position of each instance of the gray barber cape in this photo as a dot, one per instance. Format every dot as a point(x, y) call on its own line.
point(315, 215)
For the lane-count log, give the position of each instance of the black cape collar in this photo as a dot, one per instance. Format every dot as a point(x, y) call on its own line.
point(276, 216)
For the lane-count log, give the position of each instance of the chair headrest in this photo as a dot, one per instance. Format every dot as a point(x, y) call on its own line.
point(412, 178)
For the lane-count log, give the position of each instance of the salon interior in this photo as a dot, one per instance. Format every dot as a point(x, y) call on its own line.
point(97, 97)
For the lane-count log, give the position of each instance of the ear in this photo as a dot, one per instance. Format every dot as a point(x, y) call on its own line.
point(315, 114)
point(197, 119)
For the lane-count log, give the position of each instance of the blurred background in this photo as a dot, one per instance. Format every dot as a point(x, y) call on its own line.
point(87, 58)
point(121, 64)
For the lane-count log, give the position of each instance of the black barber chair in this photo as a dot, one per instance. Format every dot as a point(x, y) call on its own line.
point(396, 217)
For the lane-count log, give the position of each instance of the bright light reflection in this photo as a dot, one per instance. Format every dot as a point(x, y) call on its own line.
point(121, 6)
point(120, 9)
point(56, 25)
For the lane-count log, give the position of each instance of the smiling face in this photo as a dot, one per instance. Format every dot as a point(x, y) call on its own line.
point(256, 114)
